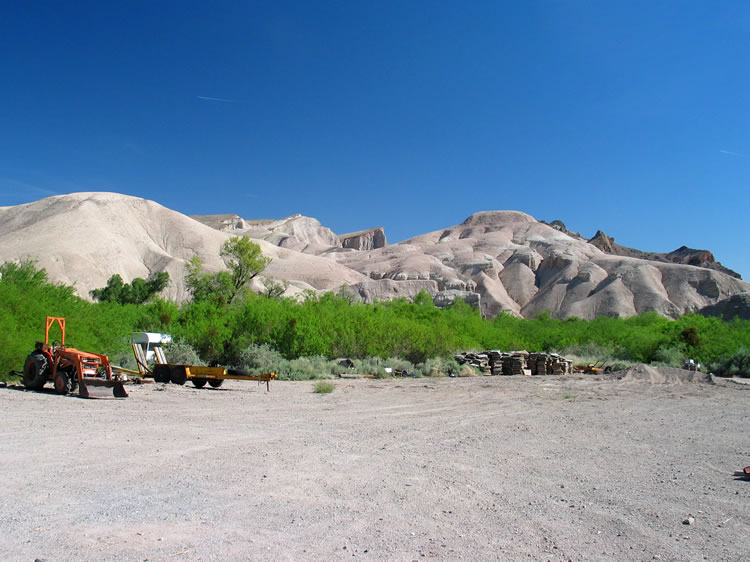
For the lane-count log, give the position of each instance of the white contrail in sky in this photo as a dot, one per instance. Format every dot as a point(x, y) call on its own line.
point(734, 153)
point(215, 99)
point(19, 185)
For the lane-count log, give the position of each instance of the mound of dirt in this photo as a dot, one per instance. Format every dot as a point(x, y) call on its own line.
point(663, 375)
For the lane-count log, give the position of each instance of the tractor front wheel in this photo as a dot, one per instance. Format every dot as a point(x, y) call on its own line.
point(35, 371)
point(62, 383)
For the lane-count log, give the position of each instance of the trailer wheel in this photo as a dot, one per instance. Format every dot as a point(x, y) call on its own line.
point(177, 374)
point(199, 383)
point(216, 383)
point(62, 383)
point(161, 373)
point(35, 371)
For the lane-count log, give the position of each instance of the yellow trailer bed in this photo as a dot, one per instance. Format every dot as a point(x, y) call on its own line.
point(199, 376)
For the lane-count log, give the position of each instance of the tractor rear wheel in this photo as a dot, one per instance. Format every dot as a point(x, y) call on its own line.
point(216, 383)
point(62, 383)
point(199, 383)
point(35, 371)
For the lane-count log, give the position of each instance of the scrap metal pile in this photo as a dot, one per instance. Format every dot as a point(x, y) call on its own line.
point(516, 363)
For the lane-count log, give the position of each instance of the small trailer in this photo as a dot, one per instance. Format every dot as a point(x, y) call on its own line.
point(165, 372)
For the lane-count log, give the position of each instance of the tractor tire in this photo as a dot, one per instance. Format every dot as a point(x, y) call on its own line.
point(177, 374)
point(238, 372)
point(62, 383)
point(35, 371)
point(216, 383)
point(199, 383)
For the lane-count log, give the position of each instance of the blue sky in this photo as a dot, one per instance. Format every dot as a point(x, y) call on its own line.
point(630, 117)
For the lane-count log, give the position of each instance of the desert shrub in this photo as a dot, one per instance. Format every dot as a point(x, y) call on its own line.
point(438, 367)
point(337, 369)
point(307, 368)
point(372, 366)
point(181, 353)
point(263, 358)
point(468, 371)
point(377, 366)
point(671, 356)
point(324, 387)
point(124, 360)
point(737, 363)
point(589, 352)
point(398, 364)
point(260, 358)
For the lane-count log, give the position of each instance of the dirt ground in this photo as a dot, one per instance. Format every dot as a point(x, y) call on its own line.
point(638, 466)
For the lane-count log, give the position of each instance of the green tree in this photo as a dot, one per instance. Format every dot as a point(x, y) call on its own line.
point(137, 292)
point(274, 289)
point(244, 259)
point(207, 287)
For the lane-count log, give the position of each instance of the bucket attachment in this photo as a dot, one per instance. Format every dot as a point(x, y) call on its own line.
point(95, 387)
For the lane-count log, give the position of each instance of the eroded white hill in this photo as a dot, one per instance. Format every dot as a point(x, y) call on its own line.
point(497, 260)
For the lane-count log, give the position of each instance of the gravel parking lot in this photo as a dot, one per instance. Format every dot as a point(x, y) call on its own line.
point(638, 465)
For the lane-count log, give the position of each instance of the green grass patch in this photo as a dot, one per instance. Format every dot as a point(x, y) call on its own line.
point(324, 387)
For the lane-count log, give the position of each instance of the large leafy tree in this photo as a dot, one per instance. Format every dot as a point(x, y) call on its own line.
point(245, 261)
point(137, 292)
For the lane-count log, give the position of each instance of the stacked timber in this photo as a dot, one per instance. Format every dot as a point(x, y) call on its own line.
point(518, 362)
point(496, 362)
point(480, 361)
point(538, 363)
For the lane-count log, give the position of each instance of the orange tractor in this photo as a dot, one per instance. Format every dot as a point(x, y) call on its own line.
point(70, 368)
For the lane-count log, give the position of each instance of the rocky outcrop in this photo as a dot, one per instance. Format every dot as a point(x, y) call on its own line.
point(296, 232)
point(682, 255)
point(560, 225)
point(603, 242)
point(224, 223)
point(370, 239)
point(736, 306)
point(698, 258)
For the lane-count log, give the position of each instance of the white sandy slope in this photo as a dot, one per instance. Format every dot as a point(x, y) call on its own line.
point(82, 239)
point(506, 261)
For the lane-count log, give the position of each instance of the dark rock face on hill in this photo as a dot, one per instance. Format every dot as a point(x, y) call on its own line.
point(499, 261)
point(371, 239)
point(736, 306)
point(683, 254)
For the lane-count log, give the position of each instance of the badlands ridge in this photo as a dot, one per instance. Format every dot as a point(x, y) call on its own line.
point(496, 260)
